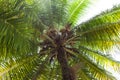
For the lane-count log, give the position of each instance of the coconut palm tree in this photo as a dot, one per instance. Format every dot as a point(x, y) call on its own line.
point(41, 40)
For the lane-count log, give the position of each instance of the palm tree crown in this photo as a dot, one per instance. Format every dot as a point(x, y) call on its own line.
point(40, 40)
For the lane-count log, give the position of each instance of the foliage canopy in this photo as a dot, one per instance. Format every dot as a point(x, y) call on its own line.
point(35, 33)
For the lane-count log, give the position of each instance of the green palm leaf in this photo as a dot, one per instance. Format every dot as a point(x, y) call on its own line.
point(109, 16)
point(103, 29)
point(76, 9)
point(92, 70)
point(15, 31)
point(37, 42)
point(18, 68)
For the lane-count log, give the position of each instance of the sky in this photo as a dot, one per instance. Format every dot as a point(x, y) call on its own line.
point(96, 8)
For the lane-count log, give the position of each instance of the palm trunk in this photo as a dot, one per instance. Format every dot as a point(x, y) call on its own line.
point(66, 71)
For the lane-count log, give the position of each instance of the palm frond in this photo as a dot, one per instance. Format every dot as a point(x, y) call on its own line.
point(15, 31)
point(76, 9)
point(19, 67)
point(109, 16)
point(22, 22)
point(100, 58)
point(105, 36)
point(93, 70)
point(96, 71)
point(53, 10)
point(83, 75)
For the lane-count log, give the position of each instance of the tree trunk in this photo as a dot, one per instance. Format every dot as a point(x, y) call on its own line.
point(66, 70)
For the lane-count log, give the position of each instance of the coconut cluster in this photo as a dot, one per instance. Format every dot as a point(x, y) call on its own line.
point(54, 39)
